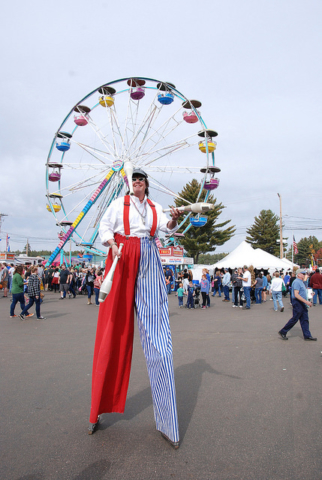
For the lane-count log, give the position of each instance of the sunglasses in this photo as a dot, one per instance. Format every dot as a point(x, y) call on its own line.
point(140, 179)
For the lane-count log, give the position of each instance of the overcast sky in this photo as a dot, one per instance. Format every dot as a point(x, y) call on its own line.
point(255, 65)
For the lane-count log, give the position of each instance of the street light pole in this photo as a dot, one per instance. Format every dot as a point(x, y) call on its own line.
point(281, 228)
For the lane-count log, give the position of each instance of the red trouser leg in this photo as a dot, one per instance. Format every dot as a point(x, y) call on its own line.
point(114, 335)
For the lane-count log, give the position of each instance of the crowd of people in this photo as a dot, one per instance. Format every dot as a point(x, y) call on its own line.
point(27, 284)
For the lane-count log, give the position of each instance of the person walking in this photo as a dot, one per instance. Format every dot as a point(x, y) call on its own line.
point(258, 284)
point(17, 290)
point(64, 278)
point(276, 291)
point(34, 295)
point(300, 310)
point(97, 285)
point(89, 282)
point(316, 284)
point(225, 282)
point(4, 275)
point(217, 284)
point(204, 290)
point(265, 285)
point(237, 286)
point(191, 294)
point(180, 293)
point(247, 285)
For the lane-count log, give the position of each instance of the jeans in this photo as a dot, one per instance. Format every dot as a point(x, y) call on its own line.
point(247, 296)
point(89, 291)
point(96, 291)
point(300, 313)
point(190, 302)
point(258, 295)
point(238, 293)
point(277, 296)
point(169, 288)
point(72, 291)
point(204, 298)
point(32, 300)
point(217, 289)
point(17, 297)
point(317, 293)
point(180, 301)
point(208, 300)
point(226, 292)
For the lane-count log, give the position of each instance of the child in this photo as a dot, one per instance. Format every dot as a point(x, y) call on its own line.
point(180, 295)
point(190, 302)
point(204, 290)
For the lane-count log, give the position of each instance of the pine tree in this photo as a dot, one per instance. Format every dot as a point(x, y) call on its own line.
point(204, 239)
point(305, 249)
point(265, 232)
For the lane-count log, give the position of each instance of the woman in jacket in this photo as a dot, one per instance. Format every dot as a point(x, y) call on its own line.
point(34, 295)
point(17, 291)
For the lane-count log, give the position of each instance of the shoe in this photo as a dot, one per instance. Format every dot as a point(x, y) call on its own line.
point(22, 317)
point(240, 306)
point(93, 426)
point(13, 316)
point(62, 298)
point(69, 295)
point(235, 306)
point(247, 308)
point(282, 309)
point(175, 445)
point(203, 307)
point(282, 335)
point(314, 304)
point(30, 315)
point(311, 338)
point(41, 318)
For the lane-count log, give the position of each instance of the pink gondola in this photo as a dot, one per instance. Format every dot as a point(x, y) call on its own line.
point(54, 177)
point(190, 117)
point(81, 120)
point(137, 93)
point(212, 184)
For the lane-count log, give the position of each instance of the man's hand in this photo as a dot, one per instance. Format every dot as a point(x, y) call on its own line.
point(175, 214)
point(115, 252)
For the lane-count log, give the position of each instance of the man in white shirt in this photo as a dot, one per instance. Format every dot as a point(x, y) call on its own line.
point(138, 282)
point(225, 284)
point(247, 285)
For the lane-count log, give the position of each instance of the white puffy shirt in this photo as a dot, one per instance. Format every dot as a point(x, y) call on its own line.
point(112, 221)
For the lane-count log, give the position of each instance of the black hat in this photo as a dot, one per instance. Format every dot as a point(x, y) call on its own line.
point(139, 171)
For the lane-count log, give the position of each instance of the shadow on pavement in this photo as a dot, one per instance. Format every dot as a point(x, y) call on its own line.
point(188, 381)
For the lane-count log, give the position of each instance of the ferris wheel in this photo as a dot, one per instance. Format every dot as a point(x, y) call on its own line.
point(125, 124)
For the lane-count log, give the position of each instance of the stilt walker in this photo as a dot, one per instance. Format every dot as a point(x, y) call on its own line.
point(134, 221)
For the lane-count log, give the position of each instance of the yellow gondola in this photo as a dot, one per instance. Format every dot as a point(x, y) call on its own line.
point(106, 101)
point(211, 147)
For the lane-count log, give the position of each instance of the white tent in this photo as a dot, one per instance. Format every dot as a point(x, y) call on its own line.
point(245, 254)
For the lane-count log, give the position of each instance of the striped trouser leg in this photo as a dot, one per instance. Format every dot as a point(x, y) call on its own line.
point(153, 320)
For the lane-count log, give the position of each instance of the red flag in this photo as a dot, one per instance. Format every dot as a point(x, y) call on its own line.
point(296, 251)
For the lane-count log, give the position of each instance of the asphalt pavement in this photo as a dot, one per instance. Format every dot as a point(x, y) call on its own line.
point(249, 403)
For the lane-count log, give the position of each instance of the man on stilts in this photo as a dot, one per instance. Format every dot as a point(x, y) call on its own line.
point(134, 221)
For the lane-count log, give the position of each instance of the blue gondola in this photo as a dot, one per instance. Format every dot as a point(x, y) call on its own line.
point(198, 221)
point(63, 141)
point(165, 98)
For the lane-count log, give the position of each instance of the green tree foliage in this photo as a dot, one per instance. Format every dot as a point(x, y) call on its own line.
point(210, 259)
point(265, 232)
point(306, 246)
point(205, 239)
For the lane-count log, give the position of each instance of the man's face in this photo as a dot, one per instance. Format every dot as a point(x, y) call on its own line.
point(138, 184)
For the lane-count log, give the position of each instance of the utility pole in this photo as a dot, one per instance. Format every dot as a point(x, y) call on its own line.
point(281, 227)
point(27, 247)
point(1, 216)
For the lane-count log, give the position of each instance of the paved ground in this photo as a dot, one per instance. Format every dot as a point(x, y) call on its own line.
point(249, 403)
